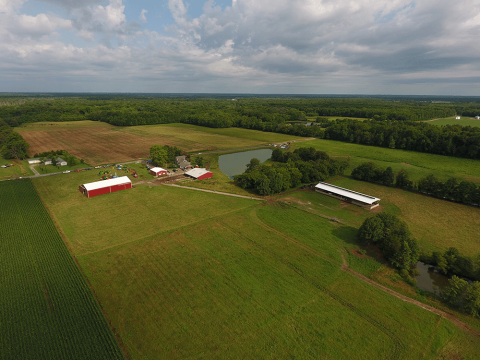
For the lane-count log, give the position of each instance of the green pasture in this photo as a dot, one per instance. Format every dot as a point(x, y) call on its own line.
point(417, 164)
point(228, 138)
point(260, 282)
point(436, 224)
point(49, 169)
point(47, 310)
point(93, 224)
point(464, 121)
point(20, 169)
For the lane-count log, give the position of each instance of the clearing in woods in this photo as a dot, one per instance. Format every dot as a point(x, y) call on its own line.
point(47, 310)
point(221, 277)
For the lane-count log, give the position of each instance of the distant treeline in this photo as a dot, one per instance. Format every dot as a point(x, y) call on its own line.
point(464, 192)
point(393, 124)
point(304, 165)
point(12, 144)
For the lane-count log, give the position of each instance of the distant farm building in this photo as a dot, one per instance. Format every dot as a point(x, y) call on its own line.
point(457, 117)
point(184, 165)
point(352, 197)
point(179, 159)
point(477, 117)
point(199, 173)
point(105, 186)
point(61, 162)
point(34, 161)
point(156, 171)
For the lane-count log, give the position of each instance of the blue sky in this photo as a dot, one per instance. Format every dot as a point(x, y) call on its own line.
point(251, 46)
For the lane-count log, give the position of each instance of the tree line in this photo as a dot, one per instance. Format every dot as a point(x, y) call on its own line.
point(12, 144)
point(451, 140)
point(290, 170)
point(465, 192)
point(164, 155)
point(392, 124)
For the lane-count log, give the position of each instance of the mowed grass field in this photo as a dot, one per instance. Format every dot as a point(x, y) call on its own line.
point(100, 222)
point(464, 121)
point(417, 164)
point(260, 283)
point(100, 143)
point(20, 168)
point(47, 310)
point(182, 274)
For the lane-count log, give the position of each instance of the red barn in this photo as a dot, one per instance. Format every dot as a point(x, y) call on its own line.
point(105, 186)
point(199, 173)
point(156, 171)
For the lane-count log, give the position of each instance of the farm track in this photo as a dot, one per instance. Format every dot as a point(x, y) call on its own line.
point(399, 346)
point(345, 267)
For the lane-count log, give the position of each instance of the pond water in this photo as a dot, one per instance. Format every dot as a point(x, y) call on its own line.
point(430, 279)
point(236, 164)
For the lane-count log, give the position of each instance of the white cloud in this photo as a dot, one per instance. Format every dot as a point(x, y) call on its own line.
point(142, 16)
point(268, 45)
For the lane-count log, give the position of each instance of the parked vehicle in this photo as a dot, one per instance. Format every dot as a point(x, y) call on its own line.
point(66, 171)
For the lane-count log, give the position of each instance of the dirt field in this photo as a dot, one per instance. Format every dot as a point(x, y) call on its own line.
point(98, 145)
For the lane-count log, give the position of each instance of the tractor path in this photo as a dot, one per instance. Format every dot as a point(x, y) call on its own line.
point(441, 313)
point(216, 192)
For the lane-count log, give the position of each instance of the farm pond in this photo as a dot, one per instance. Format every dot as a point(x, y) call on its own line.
point(430, 279)
point(235, 164)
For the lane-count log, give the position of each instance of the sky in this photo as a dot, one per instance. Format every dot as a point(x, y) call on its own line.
point(424, 47)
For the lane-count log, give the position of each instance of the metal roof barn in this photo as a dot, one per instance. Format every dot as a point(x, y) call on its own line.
point(105, 186)
point(199, 173)
point(157, 171)
point(350, 196)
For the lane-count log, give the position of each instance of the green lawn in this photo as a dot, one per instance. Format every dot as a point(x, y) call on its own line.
point(49, 169)
point(20, 169)
point(417, 164)
point(464, 121)
point(93, 224)
point(261, 282)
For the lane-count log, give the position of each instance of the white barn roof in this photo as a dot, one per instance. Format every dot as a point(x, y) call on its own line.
point(157, 169)
point(104, 183)
point(367, 199)
point(197, 172)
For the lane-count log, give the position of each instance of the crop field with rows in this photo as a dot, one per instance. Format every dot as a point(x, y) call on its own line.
point(47, 310)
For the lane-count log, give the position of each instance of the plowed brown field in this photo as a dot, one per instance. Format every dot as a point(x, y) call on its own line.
point(99, 145)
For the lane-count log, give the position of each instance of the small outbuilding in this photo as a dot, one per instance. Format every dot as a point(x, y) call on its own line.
point(199, 173)
point(105, 186)
point(34, 161)
point(61, 162)
point(179, 159)
point(457, 117)
point(477, 117)
point(350, 196)
point(157, 171)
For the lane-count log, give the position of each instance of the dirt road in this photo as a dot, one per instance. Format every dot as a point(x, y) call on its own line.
point(216, 192)
point(445, 315)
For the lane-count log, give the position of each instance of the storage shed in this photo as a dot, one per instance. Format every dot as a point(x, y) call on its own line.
point(61, 162)
point(156, 171)
point(353, 197)
point(199, 173)
point(105, 186)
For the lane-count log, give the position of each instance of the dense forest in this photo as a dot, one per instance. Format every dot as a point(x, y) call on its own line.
point(12, 144)
point(388, 122)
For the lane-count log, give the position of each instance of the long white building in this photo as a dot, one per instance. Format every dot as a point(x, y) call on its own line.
point(350, 196)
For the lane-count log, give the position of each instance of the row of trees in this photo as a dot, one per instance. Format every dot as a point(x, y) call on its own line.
point(465, 192)
point(452, 262)
point(451, 140)
point(304, 165)
point(12, 144)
